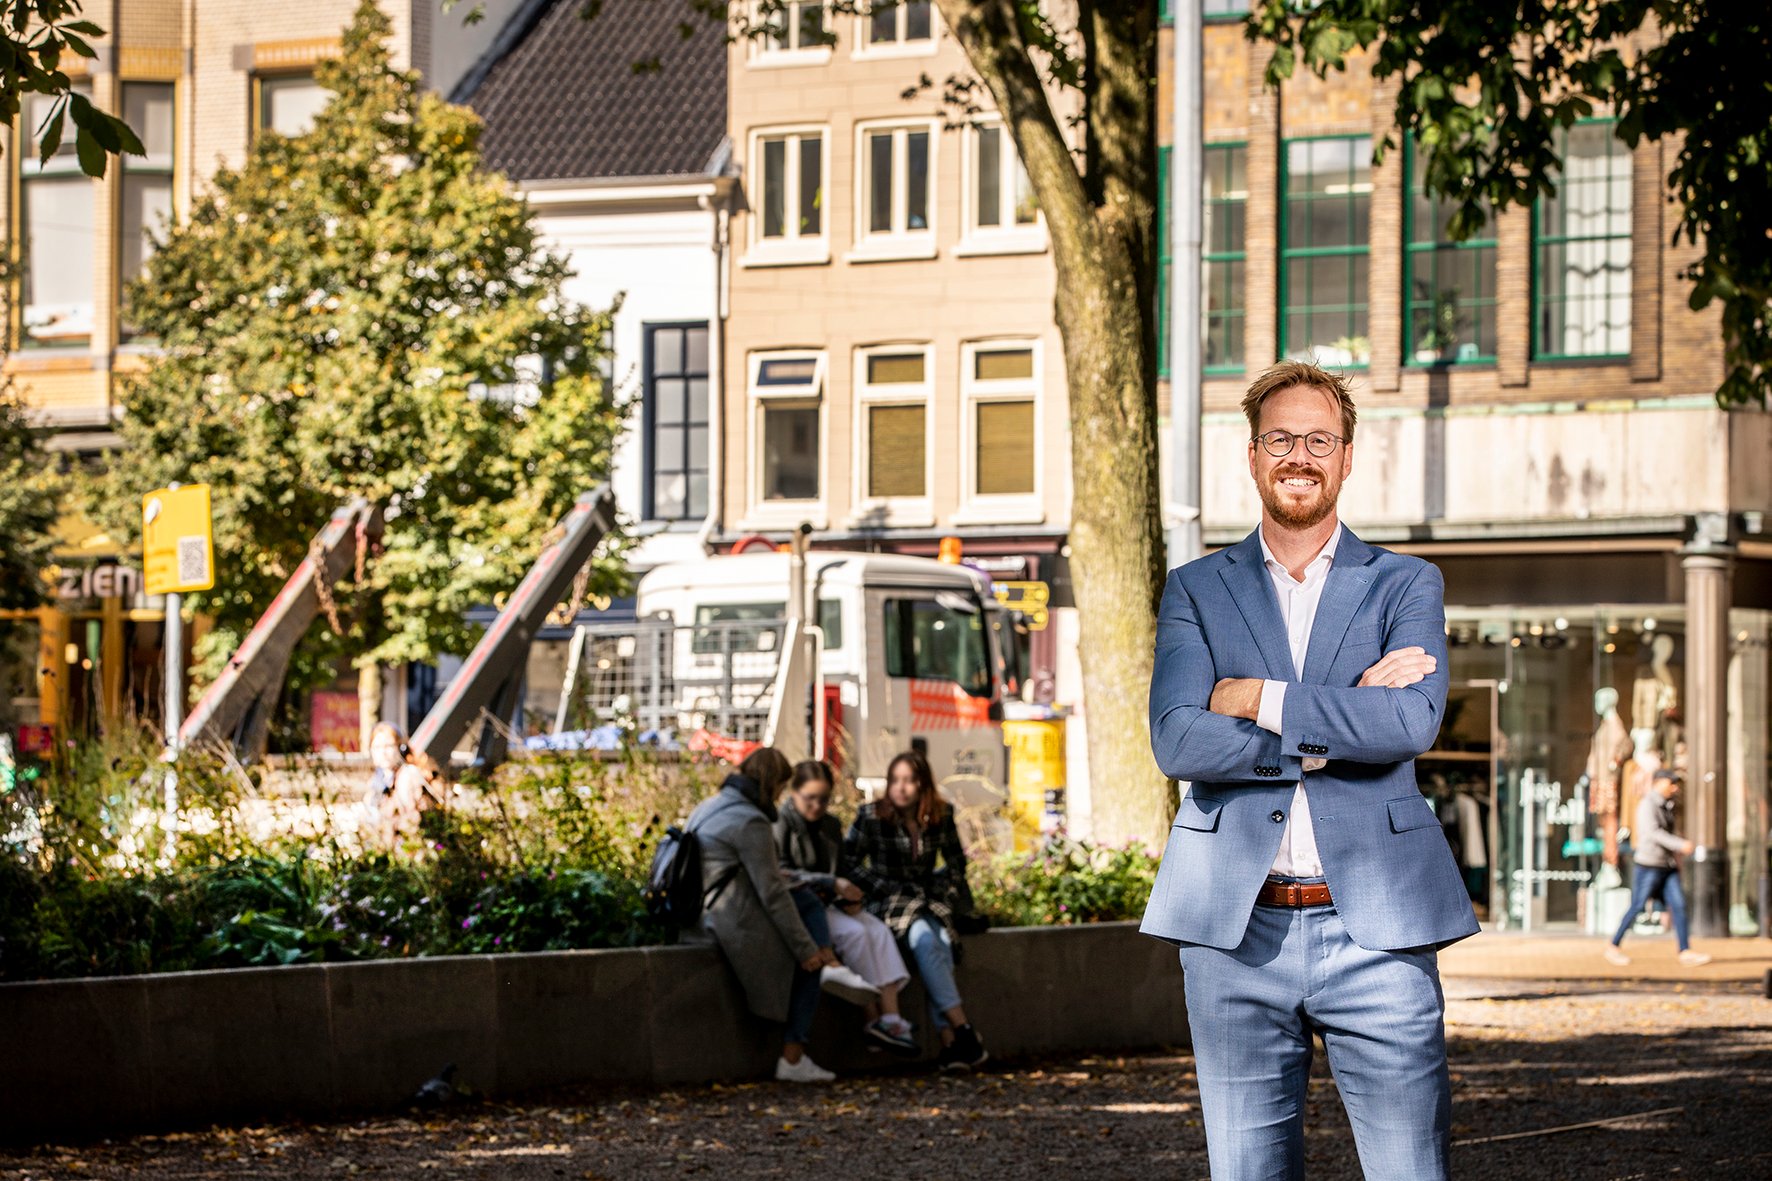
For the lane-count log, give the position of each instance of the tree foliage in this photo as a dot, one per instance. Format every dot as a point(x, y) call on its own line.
point(1484, 87)
point(29, 506)
point(342, 317)
point(35, 38)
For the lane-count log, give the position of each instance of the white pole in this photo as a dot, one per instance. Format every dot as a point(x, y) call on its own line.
point(1186, 164)
point(174, 641)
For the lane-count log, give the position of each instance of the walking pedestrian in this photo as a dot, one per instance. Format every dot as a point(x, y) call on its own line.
point(1298, 675)
point(892, 852)
point(1657, 852)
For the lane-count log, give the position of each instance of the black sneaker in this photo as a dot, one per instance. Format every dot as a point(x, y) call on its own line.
point(965, 1052)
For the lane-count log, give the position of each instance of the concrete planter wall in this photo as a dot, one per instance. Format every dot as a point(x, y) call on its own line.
point(107, 1056)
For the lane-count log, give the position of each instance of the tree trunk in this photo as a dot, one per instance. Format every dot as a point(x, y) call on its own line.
point(1102, 225)
point(368, 702)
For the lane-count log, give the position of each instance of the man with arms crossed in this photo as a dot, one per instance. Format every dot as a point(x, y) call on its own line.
point(1307, 881)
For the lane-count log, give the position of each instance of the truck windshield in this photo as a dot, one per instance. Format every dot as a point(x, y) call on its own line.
point(768, 618)
point(938, 641)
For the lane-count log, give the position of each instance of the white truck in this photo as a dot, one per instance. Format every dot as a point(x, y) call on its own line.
point(904, 653)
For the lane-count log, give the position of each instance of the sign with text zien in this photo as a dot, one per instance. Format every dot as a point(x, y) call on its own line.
point(178, 543)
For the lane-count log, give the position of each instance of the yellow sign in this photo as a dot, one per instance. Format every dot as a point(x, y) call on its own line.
point(1030, 598)
point(178, 542)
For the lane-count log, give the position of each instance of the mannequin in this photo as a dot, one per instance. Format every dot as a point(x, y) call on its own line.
point(1655, 691)
point(1611, 747)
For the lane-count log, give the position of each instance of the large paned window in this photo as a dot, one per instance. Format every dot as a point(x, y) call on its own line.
point(787, 390)
point(147, 180)
point(907, 25)
point(1451, 285)
point(1000, 197)
point(58, 225)
point(894, 387)
point(790, 214)
point(287, 103)
point(896, 184)
point(676, 416)
point(1582, 288)
point(1001, 384)
point(1324, 246)
point(1223, 256)
point(797, 27)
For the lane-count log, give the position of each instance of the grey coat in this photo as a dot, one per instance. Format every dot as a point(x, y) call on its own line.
point(1653, 843)
point(752, 918)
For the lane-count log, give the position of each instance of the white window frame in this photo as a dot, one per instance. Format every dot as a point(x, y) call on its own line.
point(762, 56)
point(999, 508)
point(782, 514)
point(927, 47)
point(895, 244)
point(790, 249)
point(1007, 238)
point(899, 511)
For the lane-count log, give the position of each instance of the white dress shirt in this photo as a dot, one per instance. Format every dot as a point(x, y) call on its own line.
point(1298, 598)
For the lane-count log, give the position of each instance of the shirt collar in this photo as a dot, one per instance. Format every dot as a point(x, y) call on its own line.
point(1326, 555)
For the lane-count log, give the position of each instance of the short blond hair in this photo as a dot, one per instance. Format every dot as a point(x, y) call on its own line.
point(1287, 374)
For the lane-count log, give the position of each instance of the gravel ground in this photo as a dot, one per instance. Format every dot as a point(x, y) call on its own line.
point(1687, 1067)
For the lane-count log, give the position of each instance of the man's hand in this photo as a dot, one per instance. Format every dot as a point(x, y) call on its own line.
point(1688, 848)
point(1237, 697)
point(848, 891)
point(1399, 669)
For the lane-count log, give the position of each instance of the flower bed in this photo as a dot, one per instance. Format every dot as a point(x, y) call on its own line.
point(100, 877)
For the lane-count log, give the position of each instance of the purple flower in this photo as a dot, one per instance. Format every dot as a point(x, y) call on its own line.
point(497, 939)
point(467, 923)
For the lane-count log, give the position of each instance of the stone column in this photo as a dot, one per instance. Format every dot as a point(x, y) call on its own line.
point(1706, 561)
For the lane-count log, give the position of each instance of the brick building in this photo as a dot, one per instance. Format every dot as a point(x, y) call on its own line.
point(1537, 418)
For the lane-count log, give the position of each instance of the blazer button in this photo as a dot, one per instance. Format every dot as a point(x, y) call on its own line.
point(1277, 816)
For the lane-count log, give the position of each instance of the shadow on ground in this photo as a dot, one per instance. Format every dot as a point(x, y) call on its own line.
point(1690, 1069)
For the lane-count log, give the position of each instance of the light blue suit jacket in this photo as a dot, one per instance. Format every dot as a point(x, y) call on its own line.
point(1388, 865)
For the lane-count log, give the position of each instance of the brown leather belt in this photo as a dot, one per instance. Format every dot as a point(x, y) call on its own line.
point(1293, 894)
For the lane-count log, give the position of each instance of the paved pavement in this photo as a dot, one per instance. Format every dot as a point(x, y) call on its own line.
point(1558, 956)
point(1598, 1078)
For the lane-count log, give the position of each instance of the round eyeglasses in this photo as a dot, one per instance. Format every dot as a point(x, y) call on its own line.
point(1279, 444)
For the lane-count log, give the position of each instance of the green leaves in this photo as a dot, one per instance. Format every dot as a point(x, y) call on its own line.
point(1485, 86)
point(40, 32)
point(345, 315)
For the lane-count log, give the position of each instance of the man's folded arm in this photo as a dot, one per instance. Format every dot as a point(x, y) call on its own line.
point(1373, 724)
point(1189, 740)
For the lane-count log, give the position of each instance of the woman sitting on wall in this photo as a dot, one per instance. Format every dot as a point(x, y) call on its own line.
point(750, 913)
point(811, 845)
point(891, 852)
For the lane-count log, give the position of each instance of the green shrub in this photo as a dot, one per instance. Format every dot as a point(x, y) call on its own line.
point(1064, 882)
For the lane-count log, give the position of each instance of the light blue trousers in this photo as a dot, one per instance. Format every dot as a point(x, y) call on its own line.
point(933, 949)
point(1381, 1014)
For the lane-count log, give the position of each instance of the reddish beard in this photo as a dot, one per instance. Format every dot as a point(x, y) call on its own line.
point(1293, 515)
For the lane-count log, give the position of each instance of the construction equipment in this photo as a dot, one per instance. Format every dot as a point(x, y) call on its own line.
point(236, 708)
point(485, 691)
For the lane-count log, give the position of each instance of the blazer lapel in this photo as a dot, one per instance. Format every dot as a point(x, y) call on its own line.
point(1349, 581)
point(1252, 590)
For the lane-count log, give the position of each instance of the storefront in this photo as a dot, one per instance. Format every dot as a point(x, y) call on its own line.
point(1557, 718)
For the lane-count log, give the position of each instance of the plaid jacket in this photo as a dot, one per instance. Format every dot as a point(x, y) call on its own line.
point(900, 884)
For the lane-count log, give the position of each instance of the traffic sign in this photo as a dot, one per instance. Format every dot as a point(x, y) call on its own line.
point(1028, 597)
point(178, 541)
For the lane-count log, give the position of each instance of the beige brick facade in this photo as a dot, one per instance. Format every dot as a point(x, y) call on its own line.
point(945, 294)
point(212, 51)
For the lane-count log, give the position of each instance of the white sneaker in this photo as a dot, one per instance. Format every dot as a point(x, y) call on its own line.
point(842, 981)
point(1693, 959)
point(1614, 956)
point(803, 1071)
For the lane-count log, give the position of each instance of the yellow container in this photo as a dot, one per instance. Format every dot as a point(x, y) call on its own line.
point(1036, 776)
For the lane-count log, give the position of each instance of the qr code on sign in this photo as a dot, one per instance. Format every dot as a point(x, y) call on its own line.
point(193, 561)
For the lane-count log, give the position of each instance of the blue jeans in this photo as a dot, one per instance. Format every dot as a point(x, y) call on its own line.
point(1662, 881)
point(1253, 1010)
point(933, 948)
point(803, 999)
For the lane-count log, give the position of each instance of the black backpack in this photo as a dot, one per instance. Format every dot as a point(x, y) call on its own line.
point(674, 890)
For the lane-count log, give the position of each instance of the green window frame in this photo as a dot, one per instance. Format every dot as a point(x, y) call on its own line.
point(1325, 250)
point(1449, 299)
point(1223, 258)
point(1581, 249)
point(1211, 10)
